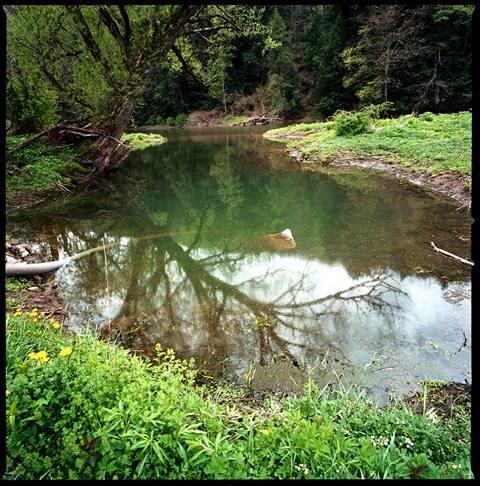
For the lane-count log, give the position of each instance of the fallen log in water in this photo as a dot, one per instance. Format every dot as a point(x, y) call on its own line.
point(451, 255)
point(276, 242)
point(29, 269)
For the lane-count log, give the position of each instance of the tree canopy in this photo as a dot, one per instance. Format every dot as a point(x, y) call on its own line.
point(116, 65)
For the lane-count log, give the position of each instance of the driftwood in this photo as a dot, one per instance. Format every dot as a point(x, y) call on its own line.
point(63, 132)
point(451, 255)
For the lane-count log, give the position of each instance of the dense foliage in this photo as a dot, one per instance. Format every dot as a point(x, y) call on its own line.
point(283, 61)
point(80, 408)
point(337, 57)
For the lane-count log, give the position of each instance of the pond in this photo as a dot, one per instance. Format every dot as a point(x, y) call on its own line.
point(360, 297)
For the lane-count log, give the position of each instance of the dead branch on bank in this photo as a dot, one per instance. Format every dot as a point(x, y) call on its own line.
point(68, 133)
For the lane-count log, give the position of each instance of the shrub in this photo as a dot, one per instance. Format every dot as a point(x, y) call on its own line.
point(379, 110)
point(181, 119)
point(171, 121)
point(351, 123)
point(427, 116)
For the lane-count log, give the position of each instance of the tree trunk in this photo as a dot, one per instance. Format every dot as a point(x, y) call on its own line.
point(107, 153)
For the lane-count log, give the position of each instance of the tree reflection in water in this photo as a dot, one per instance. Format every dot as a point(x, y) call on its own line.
point(362, 279)
point(185, 297)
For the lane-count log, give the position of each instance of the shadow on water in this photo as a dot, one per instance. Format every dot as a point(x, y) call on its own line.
point(362, 295)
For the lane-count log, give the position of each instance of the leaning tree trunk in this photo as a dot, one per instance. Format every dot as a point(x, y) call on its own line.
point(108, 152)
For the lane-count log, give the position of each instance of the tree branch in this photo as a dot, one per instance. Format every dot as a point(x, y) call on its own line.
point(89, 40)
point(126, 24)
point(113, 28)
point(184, 64)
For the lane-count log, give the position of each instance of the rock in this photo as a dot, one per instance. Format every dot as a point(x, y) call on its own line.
point(33, 289)
point(10, 259)
point(14, 242)
point(24, 253)
point(275, 242)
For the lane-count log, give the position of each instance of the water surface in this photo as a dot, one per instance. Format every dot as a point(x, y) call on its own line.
point(362, 297)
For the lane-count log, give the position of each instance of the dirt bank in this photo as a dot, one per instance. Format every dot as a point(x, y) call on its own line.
point(37, 292)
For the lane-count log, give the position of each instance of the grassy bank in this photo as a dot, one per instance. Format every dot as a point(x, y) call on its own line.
point(232, 120)
point(15, 292)
point(140, 141)
point(40, 169)
point(81, 408)
point(427, 143)
point(43, 170)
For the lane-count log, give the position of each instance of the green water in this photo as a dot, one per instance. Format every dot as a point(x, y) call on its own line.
point(362, 297)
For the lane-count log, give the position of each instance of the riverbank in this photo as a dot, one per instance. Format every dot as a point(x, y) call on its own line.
point(40, 172)
point(73, 411)
point(217, 118)
point(433, 151)
point(44, 171)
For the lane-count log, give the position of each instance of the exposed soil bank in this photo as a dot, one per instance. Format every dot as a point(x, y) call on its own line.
point(448, 183)
point(37, 292)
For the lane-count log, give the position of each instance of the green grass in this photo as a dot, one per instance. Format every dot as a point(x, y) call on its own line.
point(231, 120)
point(100, 412)
point(299, 128)
point(39, 167)
point(141, 141)
point(428, 144)
point(18, 288)
point(15, 285)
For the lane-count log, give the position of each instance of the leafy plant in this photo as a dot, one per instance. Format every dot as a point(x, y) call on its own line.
point(79, 408)
point(351, 123)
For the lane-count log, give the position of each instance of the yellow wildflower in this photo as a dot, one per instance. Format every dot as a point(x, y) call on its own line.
point(35, 320)
point(42, 314)
point(18, 312)
point(56, 325)
point(65, 352)
point(41, 356)
point(8, 393)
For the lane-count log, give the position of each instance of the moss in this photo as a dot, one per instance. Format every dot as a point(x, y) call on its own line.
point(142, 141)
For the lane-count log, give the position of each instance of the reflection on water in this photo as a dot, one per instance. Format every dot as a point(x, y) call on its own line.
point(362, 294)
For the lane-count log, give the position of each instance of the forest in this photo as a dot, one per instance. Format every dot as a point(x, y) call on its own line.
point(108, 67)
point(238, 241)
